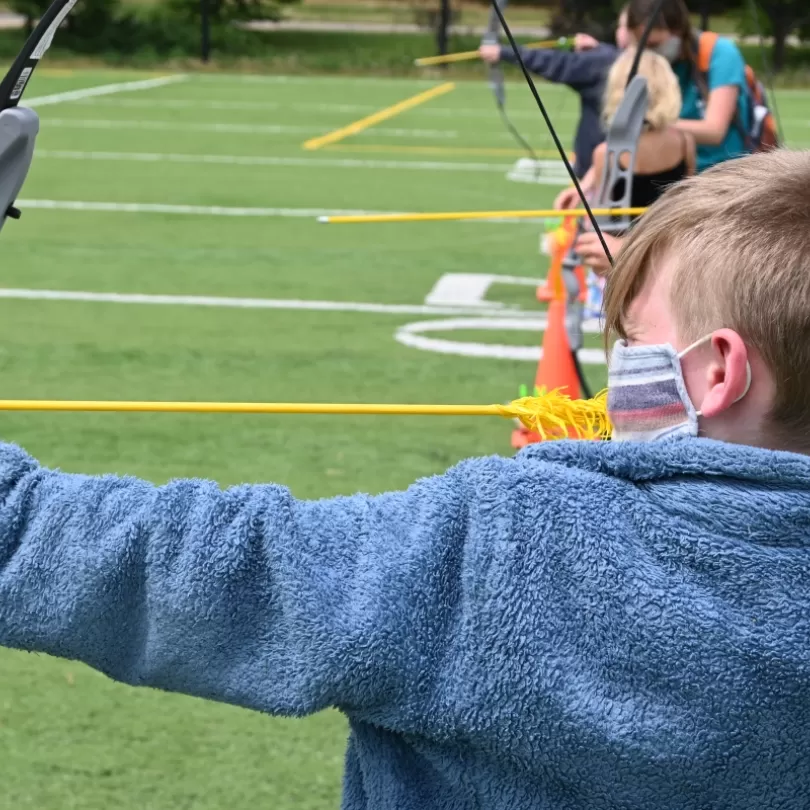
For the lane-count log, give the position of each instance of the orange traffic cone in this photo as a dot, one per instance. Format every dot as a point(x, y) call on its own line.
point(556, 369)
point(554, 277)
point(561, 240)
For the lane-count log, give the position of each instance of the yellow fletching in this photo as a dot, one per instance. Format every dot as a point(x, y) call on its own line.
point(554, 415)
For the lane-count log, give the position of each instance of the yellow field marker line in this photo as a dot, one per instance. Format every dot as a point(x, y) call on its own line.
point(380, 115)
point(543, 213)
point(464, 56)
point(482, 151)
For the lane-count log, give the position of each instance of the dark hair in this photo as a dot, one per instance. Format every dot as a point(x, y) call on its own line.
point(674, 16)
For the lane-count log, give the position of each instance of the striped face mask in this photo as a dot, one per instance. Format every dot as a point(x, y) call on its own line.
point(647, 396)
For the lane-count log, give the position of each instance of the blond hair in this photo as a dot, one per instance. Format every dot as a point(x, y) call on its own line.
point(738, 239)
point(662, 86)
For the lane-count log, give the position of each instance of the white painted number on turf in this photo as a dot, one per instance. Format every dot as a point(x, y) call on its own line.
point(20, 85)
point(46, 41)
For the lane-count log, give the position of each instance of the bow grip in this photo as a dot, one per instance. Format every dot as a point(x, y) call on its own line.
point(19, 127)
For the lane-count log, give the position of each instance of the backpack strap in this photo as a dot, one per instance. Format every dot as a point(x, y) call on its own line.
point(705, 48)
point(706, 42)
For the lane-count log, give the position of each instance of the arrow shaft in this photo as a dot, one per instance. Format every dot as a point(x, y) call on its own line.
point(543, 213)
point(465, 56)
point(100, 406)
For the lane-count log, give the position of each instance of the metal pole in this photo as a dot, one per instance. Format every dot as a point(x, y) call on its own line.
point(704, 15)
point(205, 31)
point(444, 25)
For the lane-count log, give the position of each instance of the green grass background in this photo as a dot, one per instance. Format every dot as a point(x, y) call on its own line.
point(70, 738)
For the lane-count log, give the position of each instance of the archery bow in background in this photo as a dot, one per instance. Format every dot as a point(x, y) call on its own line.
point(625, 130)
point(497, 83)
point(530, 169)
point(573, 316)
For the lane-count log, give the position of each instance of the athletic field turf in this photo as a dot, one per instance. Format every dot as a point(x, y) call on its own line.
point(199, 187)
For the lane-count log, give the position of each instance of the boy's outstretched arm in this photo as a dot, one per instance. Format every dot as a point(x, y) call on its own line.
point(247, 596)
point(577, 69)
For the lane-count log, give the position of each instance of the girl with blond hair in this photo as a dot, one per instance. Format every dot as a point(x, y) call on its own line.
point(584, 70)
point(665, 154)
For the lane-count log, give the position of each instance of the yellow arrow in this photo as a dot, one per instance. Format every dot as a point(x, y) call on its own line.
point(542, 213)
point(550, 414)
point(464, 56)
point(312, 408)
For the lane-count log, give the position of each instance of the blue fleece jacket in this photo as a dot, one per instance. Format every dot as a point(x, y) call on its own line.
point(584, 72)
point(586, 626)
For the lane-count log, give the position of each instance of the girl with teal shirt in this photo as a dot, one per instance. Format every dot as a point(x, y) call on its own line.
point(711, 114)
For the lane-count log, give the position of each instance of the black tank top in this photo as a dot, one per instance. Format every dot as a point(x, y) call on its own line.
point(647, 188)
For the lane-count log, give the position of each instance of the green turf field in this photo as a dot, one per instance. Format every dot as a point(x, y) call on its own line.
point(69, 738)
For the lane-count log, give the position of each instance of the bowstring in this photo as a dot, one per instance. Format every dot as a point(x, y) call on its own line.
point(553, 132)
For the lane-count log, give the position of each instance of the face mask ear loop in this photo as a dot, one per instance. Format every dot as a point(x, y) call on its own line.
point(747, 369)
point(747, 381)
point(694, 345)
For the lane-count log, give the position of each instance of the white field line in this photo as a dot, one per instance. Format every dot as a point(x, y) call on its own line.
point(104, 90)
point(470, 289)
point(409, 85)
point(263, 160)
point(193, 210)
point(249, 303)
point(239, 129)
point(413, 336)
point(354, 109)
point(254, 78)
point(212, 210)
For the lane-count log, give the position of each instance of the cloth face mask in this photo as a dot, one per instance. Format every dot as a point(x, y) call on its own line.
point(670, 50)
point(647, 397)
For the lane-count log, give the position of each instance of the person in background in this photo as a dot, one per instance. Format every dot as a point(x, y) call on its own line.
point(714, 103)
point(665, 154)
point(583, 70)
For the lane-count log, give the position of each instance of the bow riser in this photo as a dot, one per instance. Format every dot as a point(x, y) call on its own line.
point(18, 131)
point(19, 126)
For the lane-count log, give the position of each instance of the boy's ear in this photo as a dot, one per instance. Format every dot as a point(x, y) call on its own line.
point(727, 377)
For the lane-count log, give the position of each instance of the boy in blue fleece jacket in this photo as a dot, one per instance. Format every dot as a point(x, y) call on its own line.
point(584, 70)
point(586, 626)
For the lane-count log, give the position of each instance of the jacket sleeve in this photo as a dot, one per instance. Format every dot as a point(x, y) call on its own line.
point(577, 69)
point(246, 595)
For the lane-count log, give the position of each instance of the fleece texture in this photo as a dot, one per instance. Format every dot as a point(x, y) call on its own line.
point(586, 626)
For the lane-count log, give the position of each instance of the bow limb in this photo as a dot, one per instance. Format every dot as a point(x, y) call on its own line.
point(19, 126)
point(15, 81)
point(552, 131)
point(496, 78)
point(574, 308)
